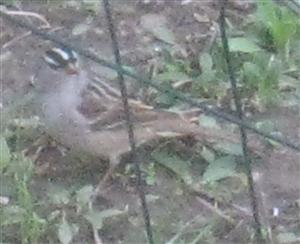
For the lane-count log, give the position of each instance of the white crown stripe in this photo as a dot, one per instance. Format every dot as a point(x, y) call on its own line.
point(51, 61)
point(61, 53)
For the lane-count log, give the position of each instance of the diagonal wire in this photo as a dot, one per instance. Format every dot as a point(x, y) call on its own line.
point(243, 134)
point(143, 79)
point(128, 116)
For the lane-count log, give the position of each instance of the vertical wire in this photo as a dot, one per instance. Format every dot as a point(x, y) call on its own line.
point(246, 157)
point(130, 130)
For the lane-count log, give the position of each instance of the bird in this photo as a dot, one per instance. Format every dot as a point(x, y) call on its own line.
point(67, 94)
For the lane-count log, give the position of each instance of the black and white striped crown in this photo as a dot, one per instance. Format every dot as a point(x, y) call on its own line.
point(58, 58)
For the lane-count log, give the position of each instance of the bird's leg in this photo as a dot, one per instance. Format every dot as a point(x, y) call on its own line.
point(114, 162)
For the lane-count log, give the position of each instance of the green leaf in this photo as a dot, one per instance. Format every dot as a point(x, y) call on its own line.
point(27, 123)
point(207, 76)
point(280, 22)
point(175, 164)
point(165, 99)
point(91, 5)
point(66, 231)
point(53, 215)
point(21, 167)
point(4, 153)
point(57, 195)
point(172, 76)
point(208, 154)
point(206, 62)
point(288, 237)
point(80, 29)
point(151, 174)
point(266, 126)
point(229, 148)
point(267, 93)
point(152, 198)
point(266, 12)
point(241, 44)
point(208, 121)
point(84, 195)
point(252, 73)
point(219, 169)
point(97, 218)
point(12, 215)
point(157, 25)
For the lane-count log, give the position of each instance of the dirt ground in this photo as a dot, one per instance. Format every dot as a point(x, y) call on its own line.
point(277, 174)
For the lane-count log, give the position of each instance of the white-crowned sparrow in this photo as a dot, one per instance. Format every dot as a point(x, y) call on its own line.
point(67, 95)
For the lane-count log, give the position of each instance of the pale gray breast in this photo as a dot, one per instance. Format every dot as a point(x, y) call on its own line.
point(59, 96)
point(50, 80)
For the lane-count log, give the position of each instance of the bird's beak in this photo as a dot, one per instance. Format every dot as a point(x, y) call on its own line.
point(72, 69)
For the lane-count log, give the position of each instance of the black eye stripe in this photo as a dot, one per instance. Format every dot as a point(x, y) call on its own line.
point(57, 59)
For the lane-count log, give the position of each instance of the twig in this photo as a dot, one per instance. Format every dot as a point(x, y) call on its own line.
point(28, 14)
point(96, 236)
point(46, 24)
point(17, 38)
point(235, 228)
point(242, 210)
point(215, 210)
point(183, 228)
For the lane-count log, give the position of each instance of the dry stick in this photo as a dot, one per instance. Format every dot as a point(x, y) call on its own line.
point(212, 208)
point(131, 136)
point(96, 236)
point(235, 228)
point(183, 228)
point(247, 160)
point(263, 209)
point(215, 210)
point(16, 39)
point(27, 14)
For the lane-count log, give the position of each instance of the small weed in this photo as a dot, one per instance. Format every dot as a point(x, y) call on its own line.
point(262, 58)
point(35, 220)
point(17, 171)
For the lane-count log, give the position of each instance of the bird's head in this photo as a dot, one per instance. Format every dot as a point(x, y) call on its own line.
point(64, 59)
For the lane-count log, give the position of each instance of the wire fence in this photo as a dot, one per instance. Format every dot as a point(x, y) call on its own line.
point(131, 137)
point(117, 66)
